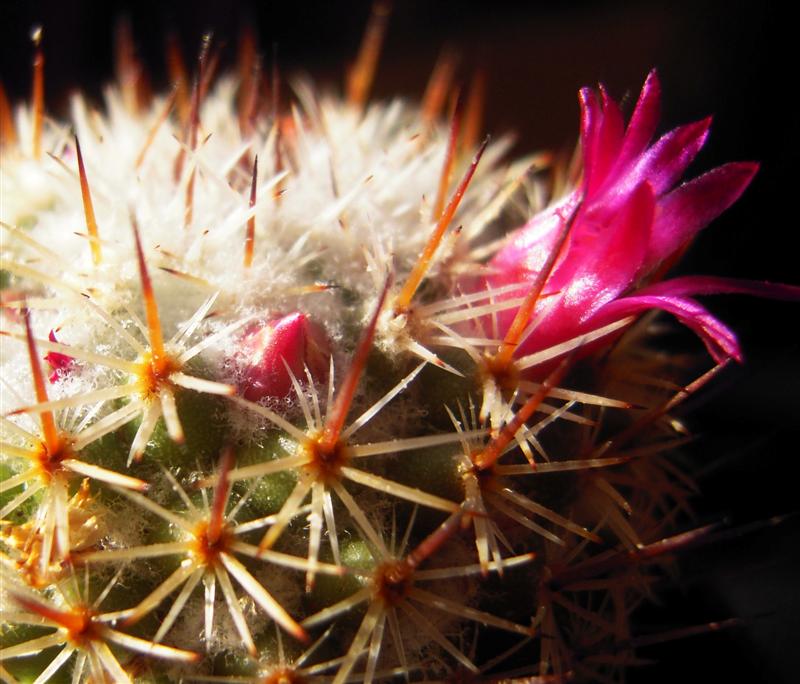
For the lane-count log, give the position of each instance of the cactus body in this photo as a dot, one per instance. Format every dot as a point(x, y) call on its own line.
point(278, 405)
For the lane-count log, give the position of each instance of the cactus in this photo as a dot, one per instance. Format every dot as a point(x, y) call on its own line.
point(288, 397)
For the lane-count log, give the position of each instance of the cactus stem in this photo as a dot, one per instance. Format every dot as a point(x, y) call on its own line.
point(363, 196)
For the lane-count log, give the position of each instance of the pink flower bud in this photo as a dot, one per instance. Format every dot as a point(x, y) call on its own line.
point(267, 348)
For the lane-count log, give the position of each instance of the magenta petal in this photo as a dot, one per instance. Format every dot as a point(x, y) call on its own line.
point(600, 267)
point(608, 141)
point(612, 122)
point(526, 253)
point(720, 340)
point(692, 206)
point(621, 261)
point(705, 285)
point(604, 264)
point(644, 120)
point(664, 162)
point(591, 123)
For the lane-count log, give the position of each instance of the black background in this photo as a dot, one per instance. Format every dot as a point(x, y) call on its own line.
point(732, 60)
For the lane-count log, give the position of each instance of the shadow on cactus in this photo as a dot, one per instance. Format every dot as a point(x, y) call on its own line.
point(388, 439)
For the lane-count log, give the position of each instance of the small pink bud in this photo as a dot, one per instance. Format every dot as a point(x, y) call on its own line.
point(268, 347)
point(59, 363)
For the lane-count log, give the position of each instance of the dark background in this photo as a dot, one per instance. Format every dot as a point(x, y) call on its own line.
point(732, 60)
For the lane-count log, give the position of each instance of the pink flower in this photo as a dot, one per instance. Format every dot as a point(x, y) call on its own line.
point(621, 228)
point(269, 350)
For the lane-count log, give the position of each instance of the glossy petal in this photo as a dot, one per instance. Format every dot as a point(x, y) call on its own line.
point(615, 248)
point(644, 120)
point(631, 222)
point(526, 252)
point(720, 340)
point(664, 163)
point(602, 131)
point(605, 265)
point(706, 285)
point(691, 207)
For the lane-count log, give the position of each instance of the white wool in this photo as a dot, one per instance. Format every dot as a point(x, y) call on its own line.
point(384, 166)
